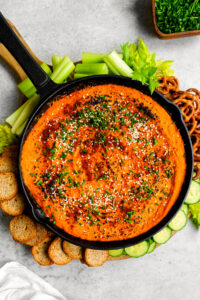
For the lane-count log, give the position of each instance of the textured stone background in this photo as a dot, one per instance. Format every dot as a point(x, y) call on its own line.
point(68, 27)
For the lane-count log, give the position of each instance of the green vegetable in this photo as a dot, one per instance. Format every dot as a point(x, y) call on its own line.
point(118, 65)
point(178, 222)
point(193, 195)
point(152, 246)
point(98, 68)
point(80, 75)
point(88, 57)
point(29, 107)
point(111, 68)
point(195, 213)
point(185, 209)
point(27, 87)
point(20, 129)
point(116, 253)
point(55, 61)
point(91, 58)
point(138, 250)
point(6, 137)
point(177, 16)
point(162, 236)
point(145, 67)
point(62, 70)
point(14, 116)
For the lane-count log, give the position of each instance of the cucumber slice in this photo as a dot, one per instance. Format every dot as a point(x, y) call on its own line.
point(138, 250)
point(152, 246)
point(194, 193)
point(124, 252)
point(116, 252)
point(197, 180)
point(162, 236)
point(185, 209)
point(178, 222)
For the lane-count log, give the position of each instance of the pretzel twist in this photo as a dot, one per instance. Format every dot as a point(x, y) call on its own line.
point(196, 170)
point(168, 85)
point(189, 103)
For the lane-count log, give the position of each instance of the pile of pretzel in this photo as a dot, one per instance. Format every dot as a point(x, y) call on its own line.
point(189, 103)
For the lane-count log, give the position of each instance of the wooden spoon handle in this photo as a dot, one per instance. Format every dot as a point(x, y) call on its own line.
point(11, 61)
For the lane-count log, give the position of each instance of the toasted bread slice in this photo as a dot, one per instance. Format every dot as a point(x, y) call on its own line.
point(14, 206)
point(40, 236)
point(56, 253)
point(11, 151)
point(51, 234)
point(22, 228)
point(8, 163)
point(40, 252)
point(8, 186)
point(95, 258)
point(8, 159)
point(75, 252)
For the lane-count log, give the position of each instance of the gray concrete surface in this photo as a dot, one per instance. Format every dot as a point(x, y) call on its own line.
point(68, 27)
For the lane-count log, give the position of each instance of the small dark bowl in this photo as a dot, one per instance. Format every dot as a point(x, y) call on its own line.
point(167, 36)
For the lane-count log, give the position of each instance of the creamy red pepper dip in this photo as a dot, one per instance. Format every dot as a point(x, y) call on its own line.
point(104, 163)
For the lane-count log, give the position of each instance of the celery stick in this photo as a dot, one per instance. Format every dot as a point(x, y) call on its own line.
point(13, 117)
point(55, 61)
point(26, 112)
point(64, 71)
point(91, 58)
point(46, 68)
point(27, 87)
point(88, 57)
point(79, 75)
point(18, 118)
point(110, 67)
point(99, 68)
point(30, 92)
point(123, 69)
point(20, 130)
point(65, 60)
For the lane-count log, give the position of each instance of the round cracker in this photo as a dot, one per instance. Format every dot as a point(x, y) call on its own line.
point(40, 252)
point(8, 164)
point(14, 206)
point(95, 258)
point(40, 236)
point(75, 252)
point(22, 228)
point(56, 253)
point(8, 186)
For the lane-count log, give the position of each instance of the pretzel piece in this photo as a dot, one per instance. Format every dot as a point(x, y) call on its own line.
point(189, 103)
point(168, 85)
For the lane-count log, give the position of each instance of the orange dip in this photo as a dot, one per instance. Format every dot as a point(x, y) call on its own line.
point(104, 163)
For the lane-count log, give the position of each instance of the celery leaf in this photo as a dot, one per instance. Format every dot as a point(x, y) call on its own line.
point(144, 64)
point(6, 137)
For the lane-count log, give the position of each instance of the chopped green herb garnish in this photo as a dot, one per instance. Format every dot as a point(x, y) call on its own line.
point(169, 173)
point(155, 141)
point(85, 151)
point(177, 16)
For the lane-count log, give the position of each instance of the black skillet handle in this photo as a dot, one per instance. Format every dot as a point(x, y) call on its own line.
point(44, 85)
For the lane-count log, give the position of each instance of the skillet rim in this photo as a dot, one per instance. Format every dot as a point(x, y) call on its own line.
point(169, 107)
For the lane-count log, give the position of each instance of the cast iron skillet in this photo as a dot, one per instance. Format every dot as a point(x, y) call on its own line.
point(48, 90)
